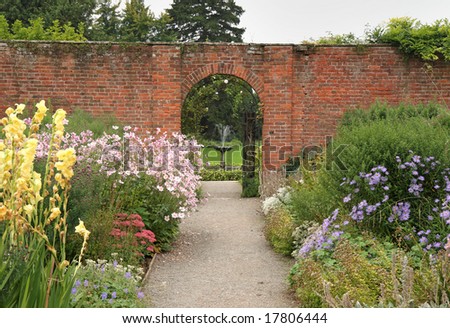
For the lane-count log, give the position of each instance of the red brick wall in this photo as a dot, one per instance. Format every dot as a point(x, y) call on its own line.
point(304, 89)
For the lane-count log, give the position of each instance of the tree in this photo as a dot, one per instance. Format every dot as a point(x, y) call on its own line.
point(206, 20)
point(22, 10)
point(65, 11)
point(37, 31)
point(106, 26)
point(137, 21)
point(161, 31)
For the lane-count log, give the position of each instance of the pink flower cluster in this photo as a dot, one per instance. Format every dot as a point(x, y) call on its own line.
point(132, 227)
point(172, 160)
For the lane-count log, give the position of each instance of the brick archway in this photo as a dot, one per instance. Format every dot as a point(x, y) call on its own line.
point(201, 73)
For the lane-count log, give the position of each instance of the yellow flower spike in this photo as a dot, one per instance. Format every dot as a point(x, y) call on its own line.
point(9, 111)
point(40, 113)
point(51, 249)
point(28, 209)
point(2, 145)
point(54, 213)
point(81, 230)
point(3, 212)
point(64, 264)
point(14, 128)
point(58, 122)
point(60, 180)
point(21, 184)
point(27, 154)
point(20, 108)
point(66, 160)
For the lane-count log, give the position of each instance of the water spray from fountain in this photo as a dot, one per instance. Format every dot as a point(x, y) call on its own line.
point(224, 131)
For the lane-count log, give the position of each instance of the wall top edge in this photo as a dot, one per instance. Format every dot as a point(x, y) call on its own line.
point(2, 42)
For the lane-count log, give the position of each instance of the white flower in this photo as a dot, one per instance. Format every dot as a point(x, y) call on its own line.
point(269, 204)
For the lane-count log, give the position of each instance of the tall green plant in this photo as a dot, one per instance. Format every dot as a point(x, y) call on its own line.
point(33, 213)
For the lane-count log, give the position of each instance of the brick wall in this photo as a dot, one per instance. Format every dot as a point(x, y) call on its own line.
point(304, 89)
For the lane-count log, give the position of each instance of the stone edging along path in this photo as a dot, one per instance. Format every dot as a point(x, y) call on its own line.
point(221, 259)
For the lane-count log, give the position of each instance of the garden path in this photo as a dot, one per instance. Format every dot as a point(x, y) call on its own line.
point(221, 258)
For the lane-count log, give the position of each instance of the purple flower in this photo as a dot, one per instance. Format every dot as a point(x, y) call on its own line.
point(445, 214)
point(77, 283)
point(104, 295)
point(437, 245)
point(86, 283)
point(416, 159)
point(402, 211)
point(347, 198)
point(128, 275)
point(423, 240)
point(113, 295)
point(74, 290)
point(370, 209)
point(140, 295)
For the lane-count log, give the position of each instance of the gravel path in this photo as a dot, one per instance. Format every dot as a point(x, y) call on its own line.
point(221, 259)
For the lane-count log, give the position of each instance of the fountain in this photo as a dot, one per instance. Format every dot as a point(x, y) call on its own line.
point(224, 132)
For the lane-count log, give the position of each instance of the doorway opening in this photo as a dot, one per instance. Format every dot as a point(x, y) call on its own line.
point(223, 112)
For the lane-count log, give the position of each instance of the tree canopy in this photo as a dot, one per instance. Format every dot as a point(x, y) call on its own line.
point(206, 20)
point(64, 11)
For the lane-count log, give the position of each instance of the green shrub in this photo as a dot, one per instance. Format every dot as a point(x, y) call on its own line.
point(155, 207)
point(349, 269)
point(100, 241)
point(371, 138)
point(363, 271)
point(81, 121)
point(278, 230)
point(220, 175)
point(250, 186)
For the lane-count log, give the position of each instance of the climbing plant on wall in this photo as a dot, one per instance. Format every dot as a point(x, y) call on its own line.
point(428, 41)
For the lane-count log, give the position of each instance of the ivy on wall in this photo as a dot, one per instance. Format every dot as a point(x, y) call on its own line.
point(427, 41)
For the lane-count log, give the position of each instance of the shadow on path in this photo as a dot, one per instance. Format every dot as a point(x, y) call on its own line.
point(221, 259)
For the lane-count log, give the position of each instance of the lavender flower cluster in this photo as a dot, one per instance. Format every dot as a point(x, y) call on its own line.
point(324, 236)
point(416, 198)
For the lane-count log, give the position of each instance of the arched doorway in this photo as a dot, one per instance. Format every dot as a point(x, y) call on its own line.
point(223, 112)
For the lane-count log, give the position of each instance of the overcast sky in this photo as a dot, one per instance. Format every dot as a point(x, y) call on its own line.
point(294, 21)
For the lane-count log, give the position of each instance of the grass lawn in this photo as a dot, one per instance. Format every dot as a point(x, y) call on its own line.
point(233, 157)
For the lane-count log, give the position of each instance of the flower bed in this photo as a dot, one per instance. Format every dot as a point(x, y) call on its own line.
point(131, 189)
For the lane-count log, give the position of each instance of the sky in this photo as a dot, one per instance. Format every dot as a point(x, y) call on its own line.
point(294, 21)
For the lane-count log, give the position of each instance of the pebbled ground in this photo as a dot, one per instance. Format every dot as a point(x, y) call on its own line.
point(221, 259)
